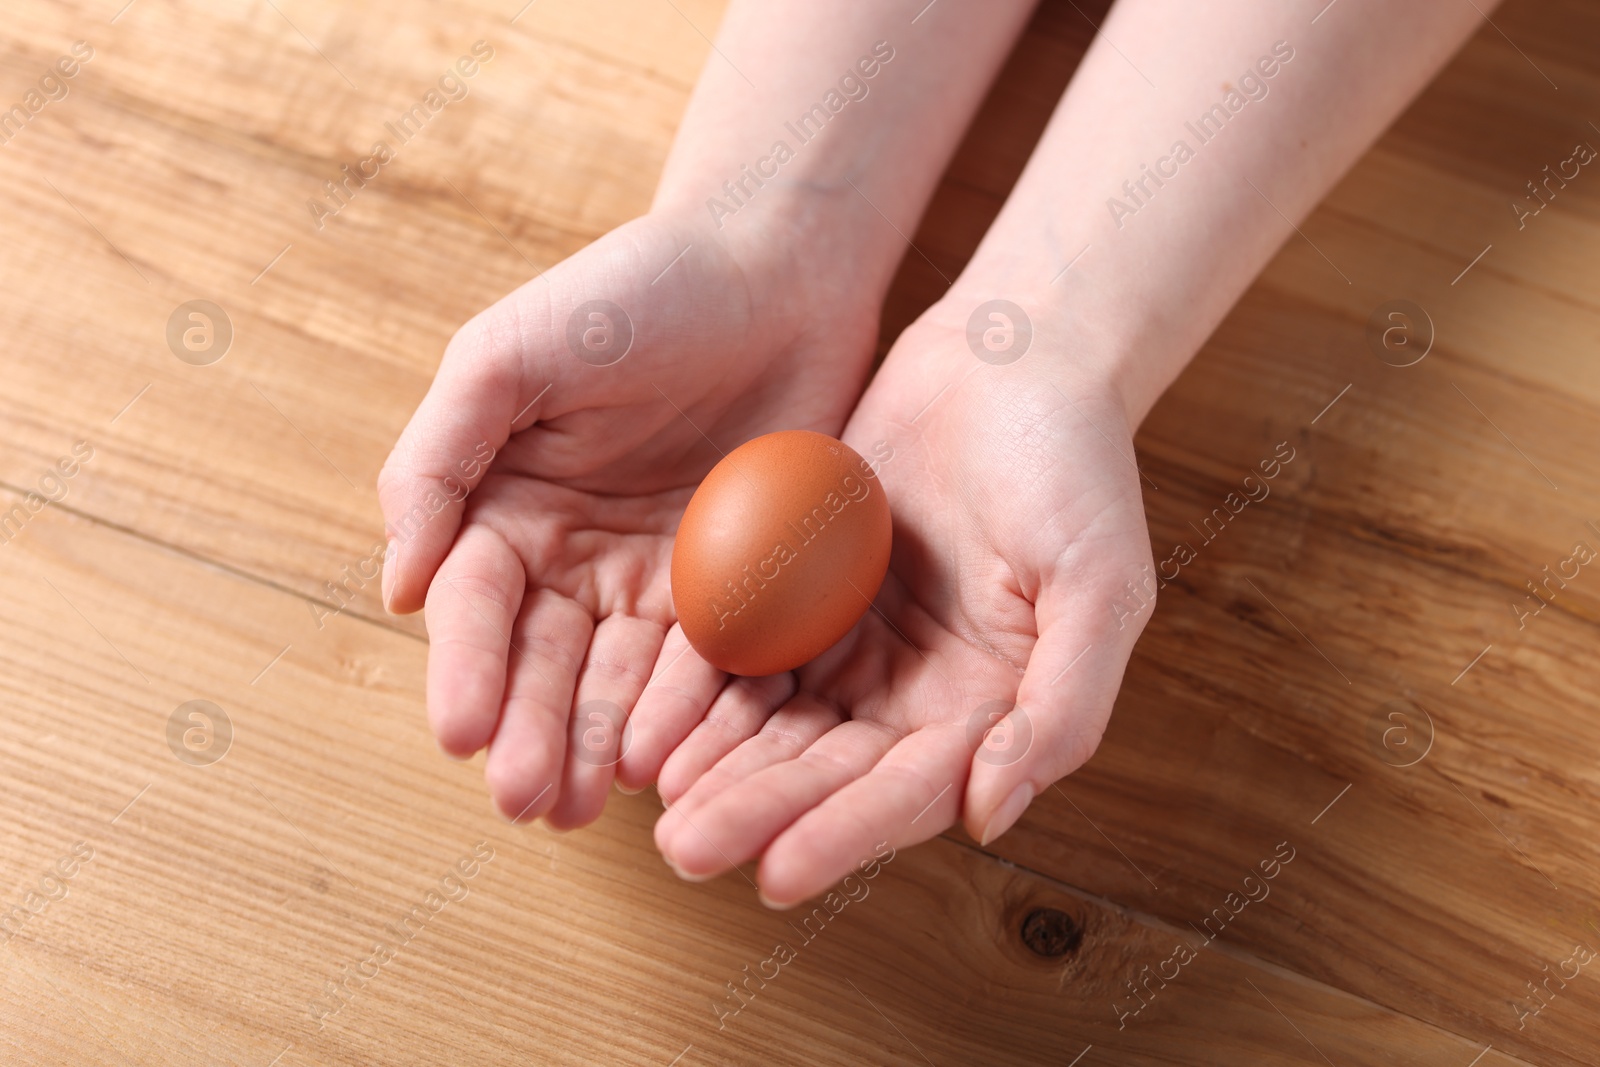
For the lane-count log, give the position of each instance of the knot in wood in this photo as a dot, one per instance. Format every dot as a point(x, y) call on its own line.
point(1050, 932)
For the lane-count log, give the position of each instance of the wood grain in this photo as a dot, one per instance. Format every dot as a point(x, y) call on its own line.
point(221, 898)
point(1392, 552)
point(187, 555)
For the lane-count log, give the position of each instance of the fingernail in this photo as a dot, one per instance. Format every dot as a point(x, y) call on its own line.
point(519, 819)
point(625, 791)
point(452, 756)
point(1007, 813)
point(686, 876)
point(770, 903)
point(390, 554)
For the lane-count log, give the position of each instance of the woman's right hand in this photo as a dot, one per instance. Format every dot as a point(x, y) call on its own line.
point(532, 500)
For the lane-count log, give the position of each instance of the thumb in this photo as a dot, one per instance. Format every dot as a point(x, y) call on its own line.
point(1064, 701)
point(487, 387)
point(533, 356)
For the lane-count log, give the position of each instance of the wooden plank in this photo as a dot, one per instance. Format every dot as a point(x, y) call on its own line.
point(214, 901)
point(990, 159)
point(1388, 565)
point(1398, 540)
point(144, 189)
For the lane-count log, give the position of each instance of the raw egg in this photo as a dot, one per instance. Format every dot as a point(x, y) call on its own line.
point(781, 550)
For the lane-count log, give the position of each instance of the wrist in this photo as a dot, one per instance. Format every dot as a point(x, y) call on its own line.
point(821, 242)
point(1081, 341)
point(1031, 358)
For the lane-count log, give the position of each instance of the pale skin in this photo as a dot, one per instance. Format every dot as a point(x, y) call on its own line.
point(1018, 511)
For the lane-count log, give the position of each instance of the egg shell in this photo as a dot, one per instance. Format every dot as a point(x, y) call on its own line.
point(780, 552)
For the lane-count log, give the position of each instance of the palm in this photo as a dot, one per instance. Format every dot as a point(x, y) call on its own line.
point(1017, 523)
point(548, 589)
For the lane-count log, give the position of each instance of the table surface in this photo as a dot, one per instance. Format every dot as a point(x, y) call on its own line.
point(1340, 680)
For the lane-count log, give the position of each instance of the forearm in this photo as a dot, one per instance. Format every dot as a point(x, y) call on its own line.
point(867, 107)
point(1179, 198)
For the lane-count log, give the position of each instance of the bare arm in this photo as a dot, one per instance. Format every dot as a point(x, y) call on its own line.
point(998, 618)
point(904, 92)
point(1181, 190)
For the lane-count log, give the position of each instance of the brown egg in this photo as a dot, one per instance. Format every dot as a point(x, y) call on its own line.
point(781, 550)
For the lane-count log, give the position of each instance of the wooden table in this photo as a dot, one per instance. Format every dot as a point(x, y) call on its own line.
point(1339, 686)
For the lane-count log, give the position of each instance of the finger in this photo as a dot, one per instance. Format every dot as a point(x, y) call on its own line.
point(912, 794)
point(471, 606)
point(483, 384)
point(739, 712)
point(523, 769)
point(741, 820)
point(1061, 707)
point(786, 734)
point(613, 674)
point(680, 691)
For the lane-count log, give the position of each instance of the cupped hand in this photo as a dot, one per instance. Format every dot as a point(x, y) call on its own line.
point(530, 504)
point(988, 662)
